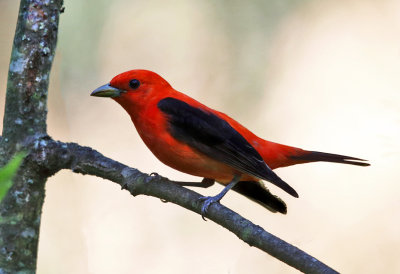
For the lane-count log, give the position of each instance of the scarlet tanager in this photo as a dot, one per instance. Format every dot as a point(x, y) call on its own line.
point(195, 139)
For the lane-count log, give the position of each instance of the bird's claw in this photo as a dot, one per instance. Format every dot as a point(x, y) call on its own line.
point(207, 201)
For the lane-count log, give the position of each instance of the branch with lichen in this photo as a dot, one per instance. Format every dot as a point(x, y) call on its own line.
point(24, 128)
point(52, 156)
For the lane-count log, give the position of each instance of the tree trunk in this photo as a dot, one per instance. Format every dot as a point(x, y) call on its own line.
point(24, 123)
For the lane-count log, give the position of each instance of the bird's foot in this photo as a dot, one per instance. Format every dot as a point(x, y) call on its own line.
point(207, 201)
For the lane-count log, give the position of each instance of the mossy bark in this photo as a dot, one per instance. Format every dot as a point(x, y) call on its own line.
point(24, 124)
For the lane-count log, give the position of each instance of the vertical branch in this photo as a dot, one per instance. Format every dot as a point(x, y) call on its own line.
point(28, 78)
point(25, 119)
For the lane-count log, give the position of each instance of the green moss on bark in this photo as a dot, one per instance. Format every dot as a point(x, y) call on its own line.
point(24, 121)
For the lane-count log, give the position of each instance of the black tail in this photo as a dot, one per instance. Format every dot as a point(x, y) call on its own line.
point(258, 193)
point(315, 156)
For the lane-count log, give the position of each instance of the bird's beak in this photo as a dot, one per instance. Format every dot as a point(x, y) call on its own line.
point(107, 91)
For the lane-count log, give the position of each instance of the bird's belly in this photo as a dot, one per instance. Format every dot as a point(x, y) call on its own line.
point(182, 157)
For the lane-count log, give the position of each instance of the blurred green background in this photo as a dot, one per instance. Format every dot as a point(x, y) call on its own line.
point(321, 75)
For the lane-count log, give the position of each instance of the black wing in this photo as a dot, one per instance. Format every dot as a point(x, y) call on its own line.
point(214, 137)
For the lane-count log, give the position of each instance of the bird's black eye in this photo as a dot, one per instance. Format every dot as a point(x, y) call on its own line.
point(134, 83)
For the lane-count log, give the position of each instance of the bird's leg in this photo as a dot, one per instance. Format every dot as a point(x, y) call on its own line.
point(207, 201)
point(206, 182)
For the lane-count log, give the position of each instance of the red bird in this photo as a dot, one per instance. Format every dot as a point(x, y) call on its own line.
point(195, 139)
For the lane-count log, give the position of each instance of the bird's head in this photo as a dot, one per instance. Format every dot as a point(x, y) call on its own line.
point(133, 87)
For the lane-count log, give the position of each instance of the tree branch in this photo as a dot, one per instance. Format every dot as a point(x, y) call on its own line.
point(85, 160)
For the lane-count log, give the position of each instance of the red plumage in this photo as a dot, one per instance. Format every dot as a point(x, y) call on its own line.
point(195, 139)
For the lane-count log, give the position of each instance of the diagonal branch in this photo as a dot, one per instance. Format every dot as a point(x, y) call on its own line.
point(85, 160)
